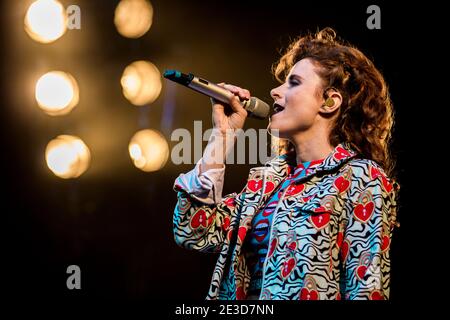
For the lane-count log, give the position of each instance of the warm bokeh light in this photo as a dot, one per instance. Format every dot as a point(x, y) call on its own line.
point(141, 82)
point(45, 20)
point(148, 150)
point(133, 18)
point(57, 93)
point(67, 156)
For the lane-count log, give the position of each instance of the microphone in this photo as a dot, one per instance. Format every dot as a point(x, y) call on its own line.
point(255, 107)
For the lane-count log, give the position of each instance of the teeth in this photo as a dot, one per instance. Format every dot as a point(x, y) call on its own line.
point(277, 108)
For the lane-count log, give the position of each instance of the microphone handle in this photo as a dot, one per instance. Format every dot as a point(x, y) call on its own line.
point(211, 89)
point(256, 108)
point(253, 105)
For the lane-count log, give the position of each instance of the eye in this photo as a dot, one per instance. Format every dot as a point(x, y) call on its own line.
point(293, 83)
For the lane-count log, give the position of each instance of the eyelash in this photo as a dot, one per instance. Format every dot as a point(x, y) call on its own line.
point(293, 83)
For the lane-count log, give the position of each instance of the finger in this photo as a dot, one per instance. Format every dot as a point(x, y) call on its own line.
point(216, 103)
point(237, 107)
point(242, 93)
point(233, 89)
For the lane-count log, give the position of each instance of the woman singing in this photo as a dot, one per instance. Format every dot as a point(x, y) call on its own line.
point(316, 221)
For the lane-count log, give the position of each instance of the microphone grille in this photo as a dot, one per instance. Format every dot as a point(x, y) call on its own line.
point(257, 108)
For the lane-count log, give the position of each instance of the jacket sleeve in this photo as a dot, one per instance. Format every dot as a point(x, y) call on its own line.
point(202, 217)
point(365, 254)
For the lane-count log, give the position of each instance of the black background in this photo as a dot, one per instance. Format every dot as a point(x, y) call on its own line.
point(115, 221)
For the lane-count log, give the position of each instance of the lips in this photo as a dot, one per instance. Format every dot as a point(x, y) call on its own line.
point(261, 229)
point(277, 108)
point(270, 209)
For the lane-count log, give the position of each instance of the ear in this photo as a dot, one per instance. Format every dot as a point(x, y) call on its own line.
point(332, 102)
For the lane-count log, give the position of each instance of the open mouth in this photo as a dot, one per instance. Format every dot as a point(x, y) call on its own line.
point(261, 229)
point(277, 108)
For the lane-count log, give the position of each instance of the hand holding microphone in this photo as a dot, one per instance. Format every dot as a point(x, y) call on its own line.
point(231, 106)
point(251, 106)
point(234, 117)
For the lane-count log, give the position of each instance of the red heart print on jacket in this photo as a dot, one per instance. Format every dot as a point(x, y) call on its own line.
point(255, 185)
point(230, 202)
point(287, 267)
point(344, 250)
point(374, 172)
point(199, 219)
point(242, 232)
point(273, 245)
point(363, 212)
point(340, 238)
point(240, 293)
point(386, 184)
point(320, 221)
point(294, 189)
point(306, 294)
point(341, 184)
point(385, 243)
point(226, 223)
point(376, 295)
point(341, 153)
point(361, 272)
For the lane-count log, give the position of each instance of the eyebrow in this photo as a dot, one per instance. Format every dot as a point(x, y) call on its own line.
point(293, 76)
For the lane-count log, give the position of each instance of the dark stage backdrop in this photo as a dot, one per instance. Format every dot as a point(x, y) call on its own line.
point(115, 221)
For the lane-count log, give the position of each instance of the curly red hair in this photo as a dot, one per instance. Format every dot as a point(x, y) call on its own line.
point(366, 117)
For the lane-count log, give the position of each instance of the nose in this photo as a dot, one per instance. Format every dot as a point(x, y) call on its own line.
point(275, 93)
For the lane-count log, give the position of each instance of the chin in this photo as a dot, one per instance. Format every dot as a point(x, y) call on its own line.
point(277, 130)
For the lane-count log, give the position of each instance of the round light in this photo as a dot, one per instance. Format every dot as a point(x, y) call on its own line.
point(45, 20)
point(141, 82)
point(149, 150)
point(133, 18)
point(67, 156)
point(57, 93)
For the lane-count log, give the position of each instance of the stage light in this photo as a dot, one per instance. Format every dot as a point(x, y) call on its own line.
point(45, 20)
point(67, 156)
point(141, 82)
point(149, 150)
point(133, 18)
point(57, 93)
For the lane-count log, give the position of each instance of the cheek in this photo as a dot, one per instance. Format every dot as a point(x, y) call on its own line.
point(303, 106)
point(303, 96)
point(301, 111)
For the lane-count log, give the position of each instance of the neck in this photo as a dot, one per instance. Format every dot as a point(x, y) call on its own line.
point(311, 146)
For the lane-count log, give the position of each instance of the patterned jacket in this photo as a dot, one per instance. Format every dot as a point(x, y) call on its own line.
point(329, 239)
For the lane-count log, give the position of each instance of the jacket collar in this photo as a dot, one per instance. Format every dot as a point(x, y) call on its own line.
point(340, 154)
